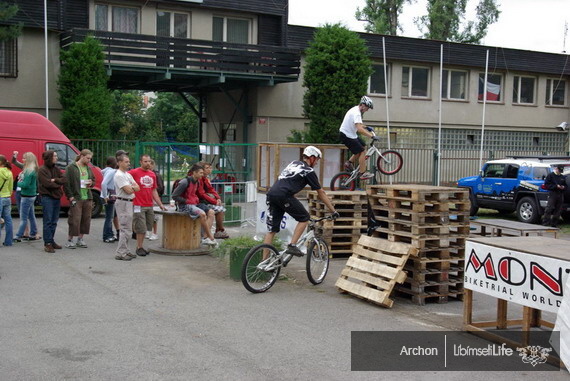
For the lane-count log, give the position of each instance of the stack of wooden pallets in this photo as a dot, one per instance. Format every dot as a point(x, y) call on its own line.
point(435, 222)
point(343, 233)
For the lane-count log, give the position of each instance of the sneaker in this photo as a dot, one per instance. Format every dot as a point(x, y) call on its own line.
point(56, 246)
point(133, 256)
point(209, 242)
point(123, 258)
point(109, 240)
point(348, 166)
point(221, 234)
point(153, 237)
point(17, 239)
point(294, 250)
point(147, 235)
point(70, 245)
point(141, 252)
point(366, 175)
point(81, 243)
point(49, 248)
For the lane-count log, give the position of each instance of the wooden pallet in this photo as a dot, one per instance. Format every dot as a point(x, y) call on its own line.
point(449, 229)
point(340, 197)
point(373, 270)
point(419, 193)
point(339, 223)
point(410, 218)
point(318, 213)
point(421, 300)
point(419, 207)
point(421, 242)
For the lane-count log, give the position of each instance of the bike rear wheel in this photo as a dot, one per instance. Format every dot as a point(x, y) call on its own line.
point(338, 182)
point(317, 261)
point(390, 162)
point(254, 279)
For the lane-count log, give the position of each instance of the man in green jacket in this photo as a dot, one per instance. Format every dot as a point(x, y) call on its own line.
point(80, 180)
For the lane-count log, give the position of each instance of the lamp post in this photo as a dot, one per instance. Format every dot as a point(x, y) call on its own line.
point(564, 127)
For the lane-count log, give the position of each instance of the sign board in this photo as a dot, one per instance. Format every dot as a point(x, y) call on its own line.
point(287, 223)
point(530, 280)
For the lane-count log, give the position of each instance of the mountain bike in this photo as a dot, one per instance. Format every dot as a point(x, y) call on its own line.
point(263, 263)
point(388, 163)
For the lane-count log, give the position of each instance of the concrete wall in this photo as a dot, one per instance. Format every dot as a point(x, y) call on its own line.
point(26, 92)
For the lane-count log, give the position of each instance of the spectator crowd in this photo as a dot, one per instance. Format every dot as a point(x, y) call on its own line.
point(129, 195)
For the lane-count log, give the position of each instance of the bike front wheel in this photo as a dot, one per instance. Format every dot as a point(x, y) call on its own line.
point(390, 162)
point(259, 275)
point(339, 182)
point(317, 261)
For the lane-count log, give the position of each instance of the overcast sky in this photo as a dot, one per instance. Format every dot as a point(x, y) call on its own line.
point(523, 24)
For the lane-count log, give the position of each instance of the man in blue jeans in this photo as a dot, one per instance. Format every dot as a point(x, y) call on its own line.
point(50, 180)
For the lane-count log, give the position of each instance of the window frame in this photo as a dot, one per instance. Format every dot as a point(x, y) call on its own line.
point(501, 93)
point(387, 92)
point(172, 17)
point(110, 8)
point(447, 97)
point(11, 59)
point(550, 96)
point(225, 28)
point(517, 88)
point(410, 82)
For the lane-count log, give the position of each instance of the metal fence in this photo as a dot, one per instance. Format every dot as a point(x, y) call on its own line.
point(420, 165)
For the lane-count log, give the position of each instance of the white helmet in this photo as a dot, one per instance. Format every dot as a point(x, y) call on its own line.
point(312, 151)
point(367, 102)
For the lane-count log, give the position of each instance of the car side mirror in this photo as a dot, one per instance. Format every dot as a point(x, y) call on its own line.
point(481, 173)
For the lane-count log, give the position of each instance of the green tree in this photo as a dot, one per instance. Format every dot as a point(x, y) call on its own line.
point(381, 16)
point(83, 92)
point(7, 12)
point(128, 119)
point(336, 76)
point(444, 20)
point(173, 118)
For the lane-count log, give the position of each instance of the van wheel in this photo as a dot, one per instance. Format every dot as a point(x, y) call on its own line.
point(97, 205)
point(527, 210)
point(474, 208)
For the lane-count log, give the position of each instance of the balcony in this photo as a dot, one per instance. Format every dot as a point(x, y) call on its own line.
point(153, 63)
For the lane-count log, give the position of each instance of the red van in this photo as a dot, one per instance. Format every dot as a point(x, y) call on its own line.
point(30, 132)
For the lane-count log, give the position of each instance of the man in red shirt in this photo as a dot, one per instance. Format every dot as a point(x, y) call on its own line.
point(212, 200)
point(143, 216)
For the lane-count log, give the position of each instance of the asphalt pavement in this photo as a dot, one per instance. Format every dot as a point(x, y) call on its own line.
point(82, 315)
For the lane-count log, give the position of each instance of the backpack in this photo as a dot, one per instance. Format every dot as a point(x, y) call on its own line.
point(174, 186)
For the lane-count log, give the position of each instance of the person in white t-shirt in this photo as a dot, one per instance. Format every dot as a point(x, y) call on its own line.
point(125, 188)
point(351, 125)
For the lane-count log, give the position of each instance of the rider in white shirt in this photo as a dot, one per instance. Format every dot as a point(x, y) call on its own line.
point(351, 125)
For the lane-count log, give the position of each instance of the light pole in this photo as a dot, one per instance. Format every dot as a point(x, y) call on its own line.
point(564, 127)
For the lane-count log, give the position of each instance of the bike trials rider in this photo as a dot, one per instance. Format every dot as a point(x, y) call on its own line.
point(281, 198)
point(351, 125)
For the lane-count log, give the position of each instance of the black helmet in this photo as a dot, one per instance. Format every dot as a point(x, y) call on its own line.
point(560, 167)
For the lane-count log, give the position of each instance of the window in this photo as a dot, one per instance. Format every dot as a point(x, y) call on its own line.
point(170, 24)
point(376, 84)
point(65, 154)
point(415, 81)
point(123, 19)
point(231, 30)
point(512, 171)
point(9, 58)
point(494, 170)
point(454, 84)
point(539, 173)
point(523, 90)
point(555, 92)
point(494, 87)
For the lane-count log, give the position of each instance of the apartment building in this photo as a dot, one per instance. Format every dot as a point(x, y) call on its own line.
point(244, 63)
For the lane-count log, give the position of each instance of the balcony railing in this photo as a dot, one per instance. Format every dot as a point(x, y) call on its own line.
point(126, 49)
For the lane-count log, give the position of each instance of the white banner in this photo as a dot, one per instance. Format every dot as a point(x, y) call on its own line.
point(530, 280)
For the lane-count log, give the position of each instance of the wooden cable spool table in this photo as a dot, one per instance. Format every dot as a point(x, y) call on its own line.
point(181, 235)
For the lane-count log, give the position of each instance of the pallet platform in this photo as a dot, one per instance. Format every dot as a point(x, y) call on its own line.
point(373, 270)
point(419, 193)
